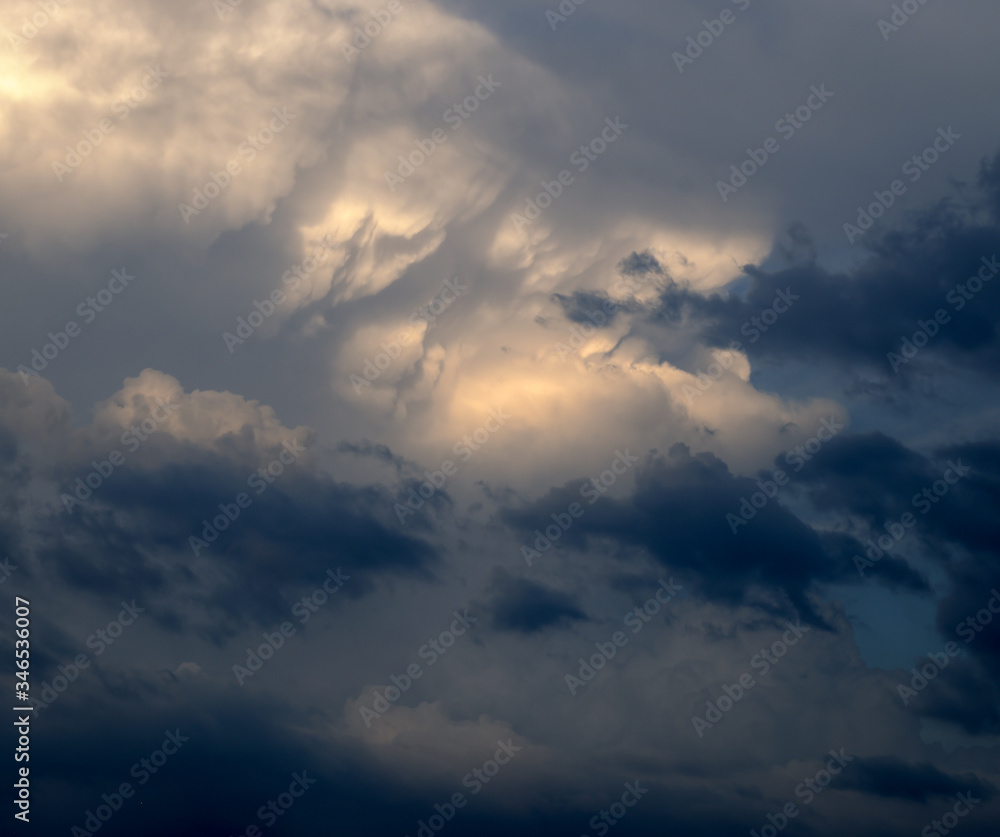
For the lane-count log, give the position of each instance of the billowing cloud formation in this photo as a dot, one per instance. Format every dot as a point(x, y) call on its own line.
point(438, 417)
point(180, 475)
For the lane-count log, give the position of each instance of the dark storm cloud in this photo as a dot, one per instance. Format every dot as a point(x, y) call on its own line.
point(602, 309)
point(640, 264)
point(15, 473)
point(224, 773)
point(112, 546)
point(523, 606)
point(380, 452)
point(894, 779)
point(410, 507)
point(582, 307)
point(451, 218)
point(977, 522)
point(678, 514)
point(879, 480)
point(856, 317)
point(871, 475)
point(968, 612)
point(989, 179)
point(965, 694)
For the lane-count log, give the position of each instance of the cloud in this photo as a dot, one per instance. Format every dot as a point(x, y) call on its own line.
point(262, 155)
point(678, 512)
point(124, 527)
point(524, 606)
point(891, 778)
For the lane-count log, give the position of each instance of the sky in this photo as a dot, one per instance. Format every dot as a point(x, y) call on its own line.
point(552, 418)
